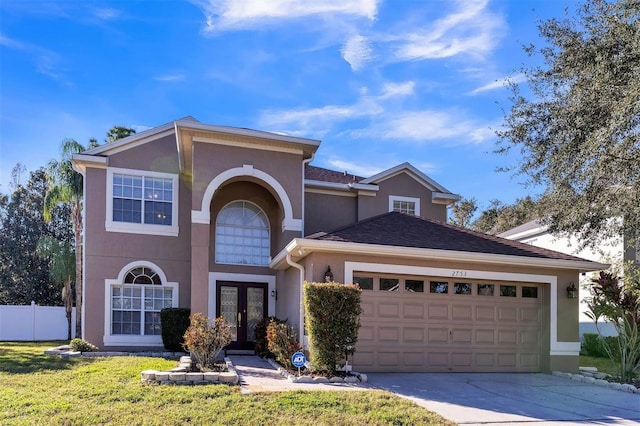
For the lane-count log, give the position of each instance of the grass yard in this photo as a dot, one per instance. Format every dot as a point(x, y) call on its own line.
point(603, 365)
point(45, 389)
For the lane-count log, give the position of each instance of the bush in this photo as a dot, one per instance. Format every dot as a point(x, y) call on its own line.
point(174, 323)
point(80, 345)
point(282, 342)
point(619, 303)
point(205, 339)
point(261, 343)
point(594, 345)
point(332, 318)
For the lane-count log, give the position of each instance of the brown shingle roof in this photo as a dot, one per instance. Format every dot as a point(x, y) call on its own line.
point(326, 175)
point(403, 230)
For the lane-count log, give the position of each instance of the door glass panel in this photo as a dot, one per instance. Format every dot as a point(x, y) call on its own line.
point(255, 310)
point(462, 288)
point(229, 308)
point(389, 284)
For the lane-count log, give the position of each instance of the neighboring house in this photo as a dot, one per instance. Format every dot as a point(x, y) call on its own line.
point(610, 251)
point(230, 222)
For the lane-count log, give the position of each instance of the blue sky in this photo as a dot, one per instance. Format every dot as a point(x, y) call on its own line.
point(379, 82)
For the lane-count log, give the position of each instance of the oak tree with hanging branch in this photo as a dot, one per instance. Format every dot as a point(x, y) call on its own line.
point(576, 122)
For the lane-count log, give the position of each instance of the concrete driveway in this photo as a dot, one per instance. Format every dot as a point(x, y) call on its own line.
point(486, 399)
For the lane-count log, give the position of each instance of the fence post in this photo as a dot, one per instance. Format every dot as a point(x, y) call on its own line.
point(33, 320)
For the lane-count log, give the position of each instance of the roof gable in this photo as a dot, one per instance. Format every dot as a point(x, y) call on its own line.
point(411, 171)
point(191, 123)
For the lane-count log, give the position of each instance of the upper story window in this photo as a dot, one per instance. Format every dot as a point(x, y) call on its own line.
point(408, 205)
point(142, 202)
point(242, 235)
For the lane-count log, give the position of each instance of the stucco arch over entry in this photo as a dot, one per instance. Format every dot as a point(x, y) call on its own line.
point(203, 215)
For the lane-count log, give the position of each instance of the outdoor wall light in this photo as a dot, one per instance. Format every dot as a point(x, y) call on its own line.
point(328, 276)
point(274, 294)
point(572, 291)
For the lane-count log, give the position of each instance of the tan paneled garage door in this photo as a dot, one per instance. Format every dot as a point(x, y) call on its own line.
point(435, 324)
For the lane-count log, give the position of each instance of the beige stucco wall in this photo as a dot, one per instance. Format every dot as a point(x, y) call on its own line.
point(325, 212)
point(401, 185)
point(158, 156)
point(210, 160)
point(106, 253)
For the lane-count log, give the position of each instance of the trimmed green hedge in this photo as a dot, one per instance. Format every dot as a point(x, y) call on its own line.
point(174, 322)
point(593, 345)
point(332, 314)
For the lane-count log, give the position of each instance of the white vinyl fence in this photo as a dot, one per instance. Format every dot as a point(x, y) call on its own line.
point(33, 322)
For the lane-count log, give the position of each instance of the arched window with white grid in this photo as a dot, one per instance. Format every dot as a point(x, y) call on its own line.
point(242, 235)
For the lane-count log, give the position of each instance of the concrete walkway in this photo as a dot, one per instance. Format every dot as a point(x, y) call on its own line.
point(257, 375)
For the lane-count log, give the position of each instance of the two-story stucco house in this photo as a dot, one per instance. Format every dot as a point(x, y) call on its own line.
point(230, 222)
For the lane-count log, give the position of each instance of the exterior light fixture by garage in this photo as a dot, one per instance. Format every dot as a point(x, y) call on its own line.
point(572, 291)
point(328, 276)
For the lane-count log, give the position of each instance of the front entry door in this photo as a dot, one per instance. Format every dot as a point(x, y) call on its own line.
point(242, 305)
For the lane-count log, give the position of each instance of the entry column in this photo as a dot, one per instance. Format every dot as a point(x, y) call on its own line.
point(200, 268)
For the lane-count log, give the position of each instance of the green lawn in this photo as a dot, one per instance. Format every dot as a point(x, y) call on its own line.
point(603, 365)
point(42, 389)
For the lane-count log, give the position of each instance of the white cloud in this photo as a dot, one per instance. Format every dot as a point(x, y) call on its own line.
point(423, 126)
point(471, 30)
point(324, 117)
point(357, 52)
point(499, 84)
point(359, 169)
point(47, 62)
point(170, 77)
point(238, 14)
point(11, 43)
point(387, 121)
point(107, 13)
point(392, 90)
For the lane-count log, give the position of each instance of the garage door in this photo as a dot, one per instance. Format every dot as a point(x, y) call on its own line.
point(435, 324)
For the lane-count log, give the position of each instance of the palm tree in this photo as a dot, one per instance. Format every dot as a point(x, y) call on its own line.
point(61, 269)
point(65, 186)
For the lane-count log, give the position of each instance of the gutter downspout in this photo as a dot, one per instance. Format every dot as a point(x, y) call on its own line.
point(304, 164)
point(83, 172)
point(301, 326)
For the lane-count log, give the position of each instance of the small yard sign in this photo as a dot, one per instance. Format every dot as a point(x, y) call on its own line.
point(298, 359)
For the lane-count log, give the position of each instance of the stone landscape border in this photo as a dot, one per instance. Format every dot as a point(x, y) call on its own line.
point(354, 377)
point(593, 377)
point(182, 375)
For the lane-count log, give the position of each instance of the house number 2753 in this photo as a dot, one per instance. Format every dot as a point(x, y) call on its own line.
point(456, 273)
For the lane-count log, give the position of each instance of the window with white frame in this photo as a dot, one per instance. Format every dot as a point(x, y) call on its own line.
point(142, 202)
point(409, 205)
point(136, 303)
point(242, 235)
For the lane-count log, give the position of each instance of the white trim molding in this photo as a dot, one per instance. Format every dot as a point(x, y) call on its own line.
point(204, 216)
point(414, 200)
point(133, 339)
point(556, 347)
point(214, 277)
point(142, 228)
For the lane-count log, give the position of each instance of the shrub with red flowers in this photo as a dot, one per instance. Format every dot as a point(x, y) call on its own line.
point(332, 315)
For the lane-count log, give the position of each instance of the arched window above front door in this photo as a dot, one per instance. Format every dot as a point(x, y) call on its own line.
point(242, 235)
